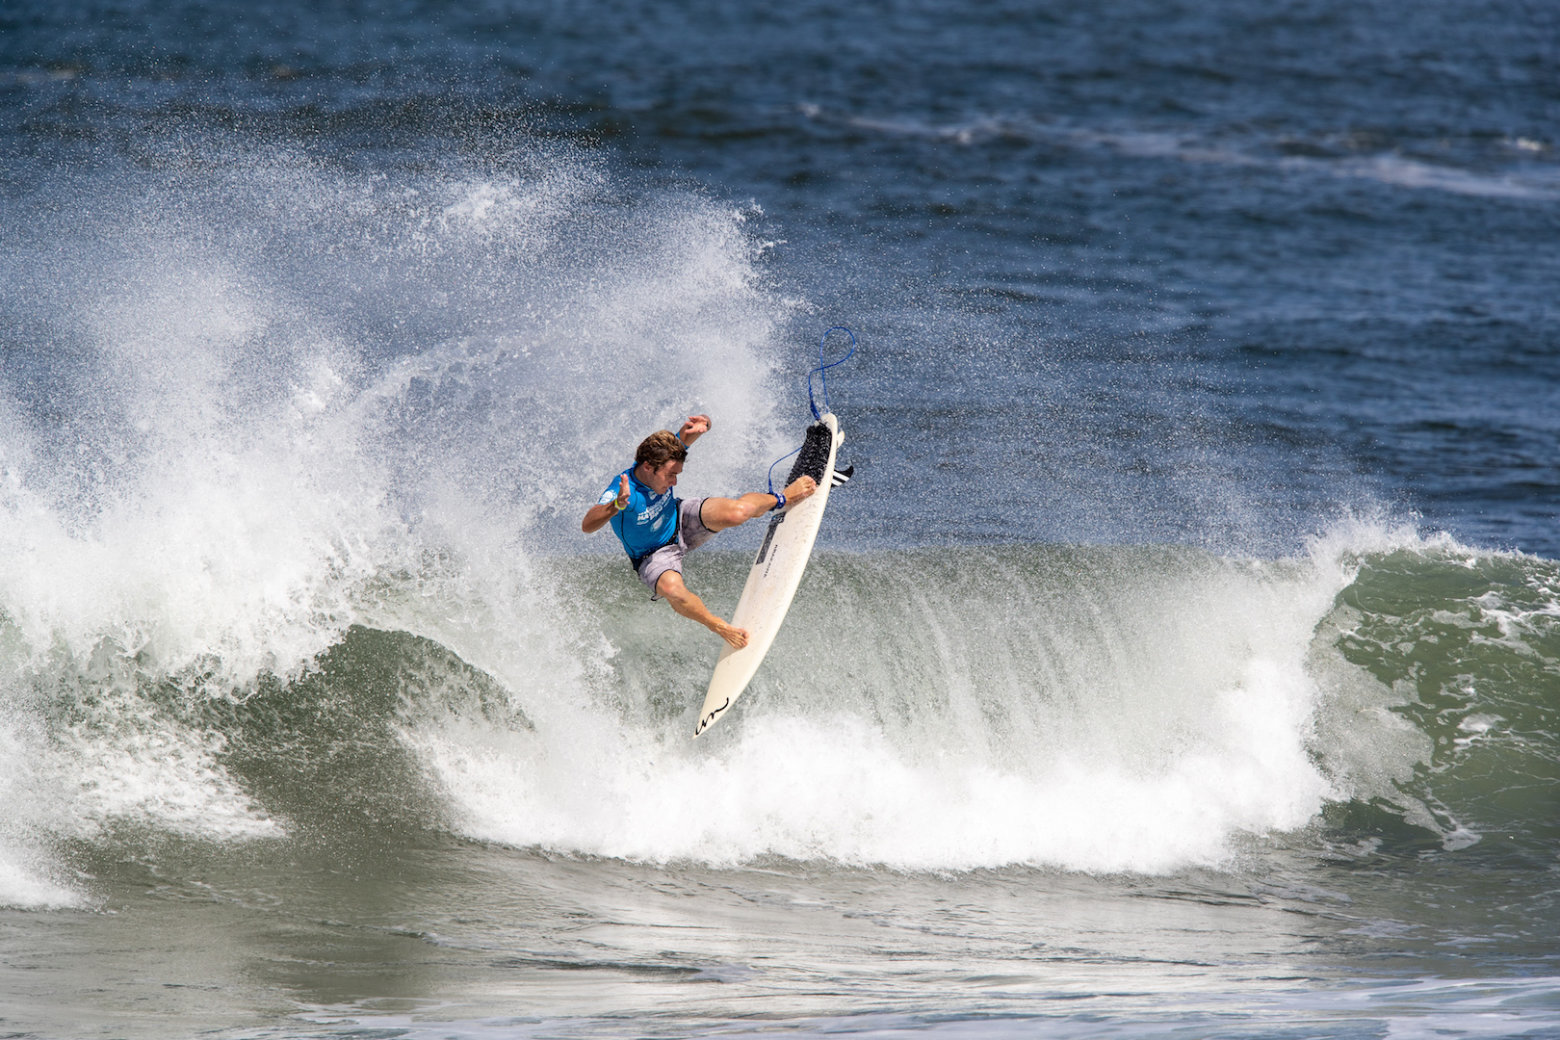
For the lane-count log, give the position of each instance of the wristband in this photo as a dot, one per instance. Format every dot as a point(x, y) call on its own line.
point(618, 508)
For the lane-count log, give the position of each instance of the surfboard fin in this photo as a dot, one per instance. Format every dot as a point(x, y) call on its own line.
point(840, 476)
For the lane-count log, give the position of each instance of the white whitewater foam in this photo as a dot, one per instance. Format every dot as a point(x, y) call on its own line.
point(1190, 726)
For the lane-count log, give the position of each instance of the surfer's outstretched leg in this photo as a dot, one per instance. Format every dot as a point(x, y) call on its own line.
point(721, 513)
point(670, 587)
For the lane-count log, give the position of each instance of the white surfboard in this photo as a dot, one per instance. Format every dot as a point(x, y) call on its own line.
point(776, 572)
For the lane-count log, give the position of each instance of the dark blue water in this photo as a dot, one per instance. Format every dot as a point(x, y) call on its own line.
point(1311, 247)
point(1182, 660)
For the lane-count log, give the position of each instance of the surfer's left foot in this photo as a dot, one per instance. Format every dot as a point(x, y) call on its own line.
point(736, 637)
point(800, 488)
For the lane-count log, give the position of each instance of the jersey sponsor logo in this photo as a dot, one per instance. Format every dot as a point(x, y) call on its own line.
point(653, 513)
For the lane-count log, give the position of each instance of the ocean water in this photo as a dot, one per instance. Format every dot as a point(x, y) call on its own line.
point(1183, 660)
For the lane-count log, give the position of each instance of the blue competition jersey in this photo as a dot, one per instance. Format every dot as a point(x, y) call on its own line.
point(649, 521)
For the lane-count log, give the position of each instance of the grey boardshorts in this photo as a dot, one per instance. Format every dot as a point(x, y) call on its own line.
point(691, 533)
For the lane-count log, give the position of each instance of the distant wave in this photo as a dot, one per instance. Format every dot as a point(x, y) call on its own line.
point(1519, 168)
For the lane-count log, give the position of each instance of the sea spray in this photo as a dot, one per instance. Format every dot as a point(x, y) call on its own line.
point(283, 401)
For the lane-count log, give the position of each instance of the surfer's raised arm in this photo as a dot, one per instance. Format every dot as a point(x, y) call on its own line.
point(696, 426)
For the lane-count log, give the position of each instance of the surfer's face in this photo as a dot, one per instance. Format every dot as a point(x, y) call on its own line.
point(663, 477)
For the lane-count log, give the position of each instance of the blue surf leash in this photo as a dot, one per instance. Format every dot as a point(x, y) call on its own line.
point(823, 382)
point(823, 369)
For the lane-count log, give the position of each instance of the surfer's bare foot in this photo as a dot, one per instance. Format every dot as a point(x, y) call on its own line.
point(800, 488)
point(736, 637)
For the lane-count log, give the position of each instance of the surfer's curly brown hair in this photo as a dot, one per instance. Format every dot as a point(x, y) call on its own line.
point(659, 448)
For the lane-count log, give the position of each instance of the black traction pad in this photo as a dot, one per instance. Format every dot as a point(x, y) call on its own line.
point(811, 461)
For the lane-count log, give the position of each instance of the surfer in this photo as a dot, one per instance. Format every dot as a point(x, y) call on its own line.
point(658, 529)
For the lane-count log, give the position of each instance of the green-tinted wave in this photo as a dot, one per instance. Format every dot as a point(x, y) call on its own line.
point(1468, 644)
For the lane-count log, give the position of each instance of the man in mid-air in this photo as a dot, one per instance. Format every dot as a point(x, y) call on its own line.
point(657, 529)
